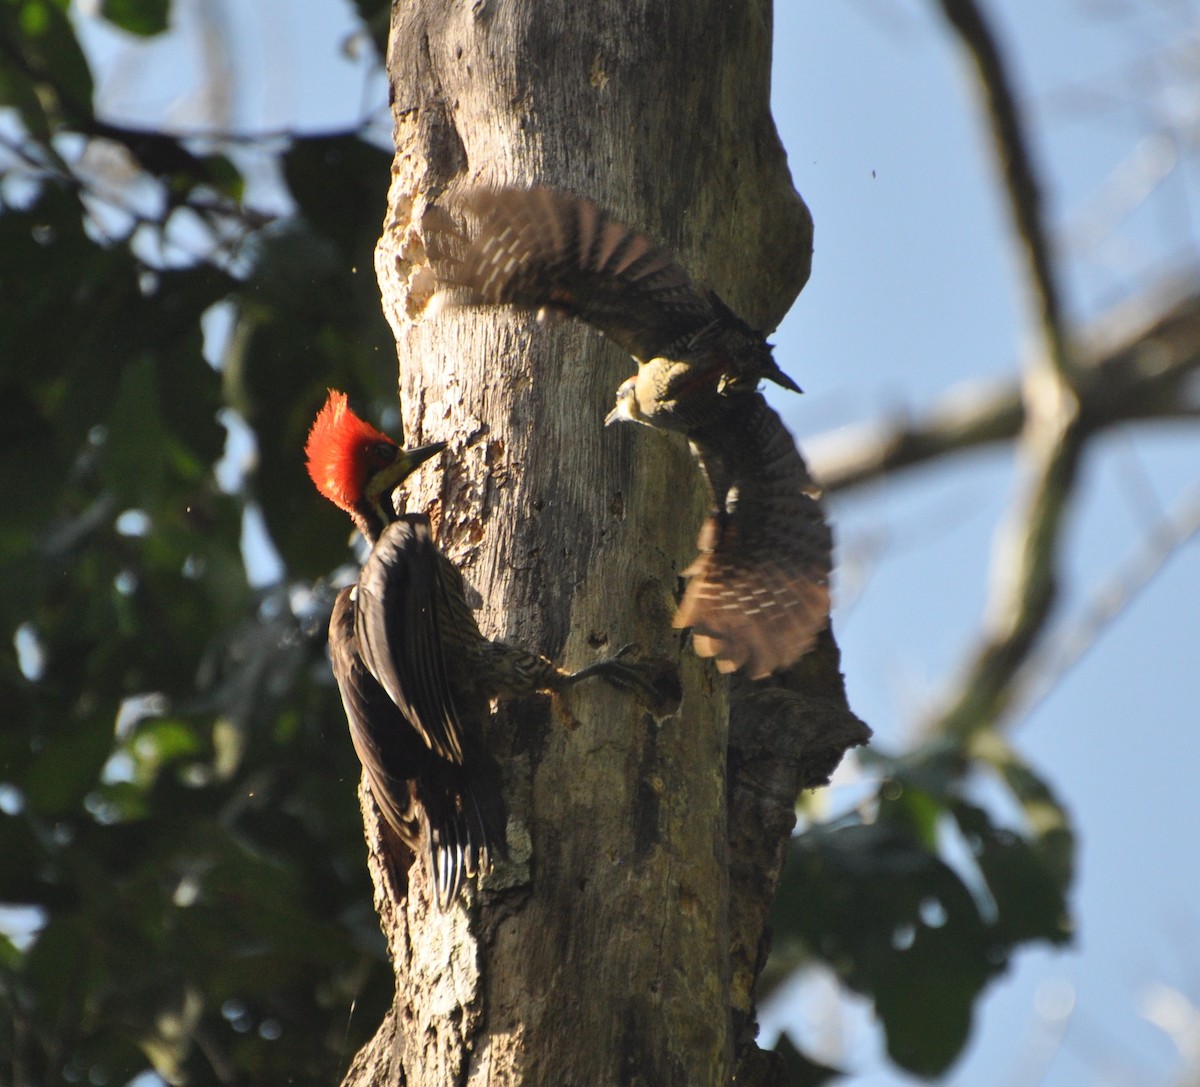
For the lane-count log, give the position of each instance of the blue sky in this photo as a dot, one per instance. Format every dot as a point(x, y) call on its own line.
point(915, 290)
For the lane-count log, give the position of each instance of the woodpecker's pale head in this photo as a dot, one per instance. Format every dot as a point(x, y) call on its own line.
point(356, 466)
point(627, 409)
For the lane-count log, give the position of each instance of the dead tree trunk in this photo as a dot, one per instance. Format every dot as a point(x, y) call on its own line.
point(603, 951)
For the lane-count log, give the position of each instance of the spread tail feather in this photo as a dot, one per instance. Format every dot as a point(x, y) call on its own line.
point(760, 619)
point(464, 829)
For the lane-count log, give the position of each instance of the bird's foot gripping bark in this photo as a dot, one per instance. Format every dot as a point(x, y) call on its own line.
point(654, 681)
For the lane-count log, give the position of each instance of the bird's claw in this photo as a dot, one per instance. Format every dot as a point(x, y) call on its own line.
point(653, 680)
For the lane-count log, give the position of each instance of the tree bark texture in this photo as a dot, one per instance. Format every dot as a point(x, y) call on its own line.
point(600, 951)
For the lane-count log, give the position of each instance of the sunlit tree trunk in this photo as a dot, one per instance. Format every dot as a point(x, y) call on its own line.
point(605, 950)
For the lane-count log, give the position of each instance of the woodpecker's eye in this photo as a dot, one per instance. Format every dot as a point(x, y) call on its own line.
point(382, 453)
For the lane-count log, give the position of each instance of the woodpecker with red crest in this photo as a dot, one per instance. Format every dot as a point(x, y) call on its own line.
point(758, 593)
point(416, 675)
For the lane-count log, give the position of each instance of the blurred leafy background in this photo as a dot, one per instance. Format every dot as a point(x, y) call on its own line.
point(180, 849)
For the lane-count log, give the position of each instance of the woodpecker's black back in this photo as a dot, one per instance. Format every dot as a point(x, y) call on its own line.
point(422, 751)
point(546, 250)
point(399, 621)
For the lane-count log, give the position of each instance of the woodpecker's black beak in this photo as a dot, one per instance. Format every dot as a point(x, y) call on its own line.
point(407, 461)
point(417, 457)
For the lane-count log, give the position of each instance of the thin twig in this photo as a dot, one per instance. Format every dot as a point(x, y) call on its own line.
point(1042, 672)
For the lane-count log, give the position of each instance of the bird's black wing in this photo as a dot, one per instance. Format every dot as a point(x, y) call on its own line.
point(758, 594)
point(452, 814)
point(541, 249)
point(399, 626)
point(390, 751)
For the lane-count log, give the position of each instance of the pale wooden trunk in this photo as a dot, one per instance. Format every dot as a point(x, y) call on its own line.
point(602, 950)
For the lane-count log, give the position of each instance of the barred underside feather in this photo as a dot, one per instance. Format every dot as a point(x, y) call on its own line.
point(758, 593)
point(759, 618)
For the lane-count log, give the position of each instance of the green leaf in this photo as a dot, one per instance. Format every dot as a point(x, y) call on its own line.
point(58, 966)
point(168, 1045)
point(1048, 821)
point(10, 957)
point(903, 803)
point(68, 766)
point(135, 449)
point(17, 89)
point(898, 925)
point(1030, 901)
point(142, 17)
point(885, 909)
point(375, 16)
point(222, 174)
point(156, 743)
point(48, 52)
point(24, 876)
point(118, 802)
point(30, 473)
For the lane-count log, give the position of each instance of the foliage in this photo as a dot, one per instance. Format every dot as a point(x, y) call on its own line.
point(177, 814)
point(921, 898)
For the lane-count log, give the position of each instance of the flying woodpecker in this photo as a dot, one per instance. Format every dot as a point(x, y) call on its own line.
point(758, 593)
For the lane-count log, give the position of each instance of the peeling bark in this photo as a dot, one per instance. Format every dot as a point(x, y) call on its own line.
point(600, 952)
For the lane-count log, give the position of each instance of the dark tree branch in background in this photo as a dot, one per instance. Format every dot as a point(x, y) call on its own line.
point(1141, 368)
point(1016, 165)
point(1069, 392)
point(1025, 560)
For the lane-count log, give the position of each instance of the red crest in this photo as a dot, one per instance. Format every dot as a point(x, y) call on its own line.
point(342, 451)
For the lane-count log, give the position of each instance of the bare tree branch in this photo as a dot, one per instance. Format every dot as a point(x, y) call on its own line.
point(1138, 366)
point(1016, 165)
point(1024, 582)
point(1024, 573)
point(1043, 670)
point(1071, 389)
